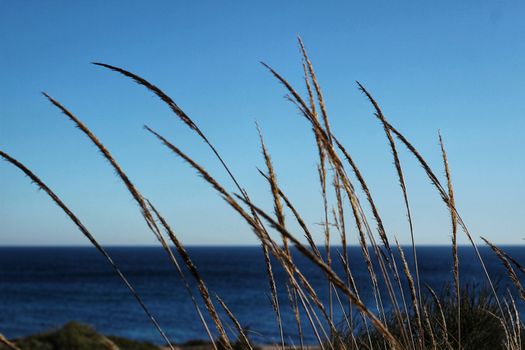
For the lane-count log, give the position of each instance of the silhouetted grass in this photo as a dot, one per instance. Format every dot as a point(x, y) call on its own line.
point(457, 318)
point(480, 326)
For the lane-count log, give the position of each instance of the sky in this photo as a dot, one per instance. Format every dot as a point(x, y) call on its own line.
point(457, 67)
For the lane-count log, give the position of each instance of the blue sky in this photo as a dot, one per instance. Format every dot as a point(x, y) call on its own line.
point(458, 67)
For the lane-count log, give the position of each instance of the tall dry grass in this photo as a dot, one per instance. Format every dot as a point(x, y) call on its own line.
point(402, 315)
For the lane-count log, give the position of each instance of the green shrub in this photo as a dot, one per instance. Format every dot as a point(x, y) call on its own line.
point(77, 336)
point(481, 328)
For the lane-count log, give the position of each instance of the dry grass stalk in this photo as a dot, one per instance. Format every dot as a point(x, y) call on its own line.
point(322, 178)
point(6, 342)
point(513, 261)
point(269, 271)
point(362, 226)
point(262, 235)
point(322, 167)
point(352, 283)
point(177, 110)
point(514, 324)
point(339, 224)
point(316, 86)
point(337, 164)
point(346, 317)
point(302, 107)
point(302, 278)
point(313, 112)
point(512, 274)
point(309, 90)
point(310, 290)
point(442, 322)
point(413, 292)
point(350, 276)
point(183, 116)
point(309, 238)
point(333, 277)
point(516, 263)
point(273, 291)
point(359, 217)
point(298, 218)
point(109, 344)
point(382, 233)
point(504, 326)
point(196, 275)
point(150, 221)
point(292, 294)
point(429, 327)
point(366, 190)
point(89, 236)
point(131, 188)
point(397, 162)
point(339, 216)
point(510, 324)
point(292, 272)
point(356, 208)
point(307, 306)
point(245, 342)
point(174, 107)
point(380, 227)
point(272, 179)
point(184, 281)
point(446, 199)
point(517, 325)
point(454, 221)
point(266, 240)
point(190, 123)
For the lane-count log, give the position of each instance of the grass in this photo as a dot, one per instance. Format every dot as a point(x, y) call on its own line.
point(404, 315)
point(480, 326)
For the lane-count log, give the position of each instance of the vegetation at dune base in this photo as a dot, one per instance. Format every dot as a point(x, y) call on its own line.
point(480, 327)
point(77, 336)
point(405, 314)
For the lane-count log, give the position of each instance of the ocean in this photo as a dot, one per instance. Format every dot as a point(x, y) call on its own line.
point(43, 288)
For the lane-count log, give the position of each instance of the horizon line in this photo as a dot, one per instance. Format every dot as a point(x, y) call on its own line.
point(230, 245)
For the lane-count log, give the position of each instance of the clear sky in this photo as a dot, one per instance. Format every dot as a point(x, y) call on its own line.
point(456, 66)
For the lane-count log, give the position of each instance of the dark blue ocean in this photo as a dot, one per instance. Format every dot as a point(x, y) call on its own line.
point(43, 288)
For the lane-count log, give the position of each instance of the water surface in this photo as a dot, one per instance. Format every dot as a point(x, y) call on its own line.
point(42, 288)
